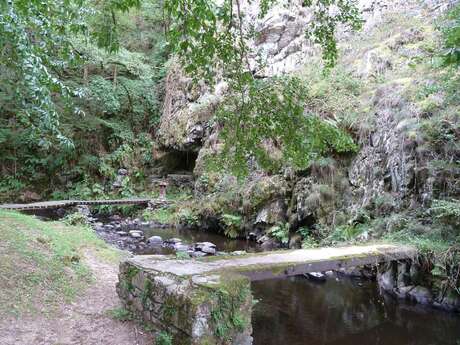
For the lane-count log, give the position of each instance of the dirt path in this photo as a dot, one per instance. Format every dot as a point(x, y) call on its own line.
point(83, 322)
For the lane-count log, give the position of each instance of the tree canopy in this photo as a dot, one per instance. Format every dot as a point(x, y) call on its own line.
point(210, 38)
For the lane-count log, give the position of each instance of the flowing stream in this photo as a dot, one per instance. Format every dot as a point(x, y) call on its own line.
point(340, 311)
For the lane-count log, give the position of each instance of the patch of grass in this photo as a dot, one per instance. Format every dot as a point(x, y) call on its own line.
point(76, 218)
point(40, 262)
point(163, 338)
point(165, 215)
point(182, 256)
point(120, 314)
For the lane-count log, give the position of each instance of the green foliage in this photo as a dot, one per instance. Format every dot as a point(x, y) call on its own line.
point(308, 241)
point(345, 233)
point(164, 338)
point(304, 232)
point(182, 255)
point(37, 37)
point(120, 314)
point(447, 212)
point(187, 216)
point(228, 300)
point(76, 218)
point(280, 232)
point(325, 23)
point(450, 29)
point(232, 224)
point(161, 215)
point(258, 116)
point(117, 93)
point(268, 122)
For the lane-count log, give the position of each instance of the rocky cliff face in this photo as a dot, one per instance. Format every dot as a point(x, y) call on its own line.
point(392, 170)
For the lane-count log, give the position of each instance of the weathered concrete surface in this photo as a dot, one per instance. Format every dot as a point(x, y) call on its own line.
point(208, 301)
point(279, 264)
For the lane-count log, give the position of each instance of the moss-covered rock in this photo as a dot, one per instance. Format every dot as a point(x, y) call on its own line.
point(194, 310)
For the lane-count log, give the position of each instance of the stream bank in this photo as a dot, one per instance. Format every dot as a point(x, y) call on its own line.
point(343, 308)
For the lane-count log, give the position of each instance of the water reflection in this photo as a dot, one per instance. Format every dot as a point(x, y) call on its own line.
point(297, 311)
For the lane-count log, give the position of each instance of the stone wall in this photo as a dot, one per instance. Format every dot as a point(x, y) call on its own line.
point(194, 310)
point(412, 281)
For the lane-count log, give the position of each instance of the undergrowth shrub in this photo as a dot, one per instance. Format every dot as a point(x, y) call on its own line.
point(280, 232)
point(232, 224)
point(447, 212)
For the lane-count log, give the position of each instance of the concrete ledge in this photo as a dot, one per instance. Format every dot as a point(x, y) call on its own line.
point(279, 264)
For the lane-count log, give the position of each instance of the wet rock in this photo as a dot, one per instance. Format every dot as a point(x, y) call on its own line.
point(252, 236)
point(200, 245)
point(359, 272)
point(387, 279)
point(61, 212)
point(136, 234)
point(100, 228)
point(403, 275)
point(198, 254)
point(238, 252)
point(316, 276)
point(295, 242)
point(181, 247)
point(208, 250)
point(403, 291)
point(173, 241)
point(122, 233)
point(267, 243)
point(273, 213)
point(263, 239)
point(451, 301)
point(29, 196)
point(155, 240)
point(206, 247)
point(421, 295)
point(415, 273)
point(84, 210)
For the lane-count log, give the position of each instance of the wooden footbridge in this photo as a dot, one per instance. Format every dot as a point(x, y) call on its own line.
point(70, 203)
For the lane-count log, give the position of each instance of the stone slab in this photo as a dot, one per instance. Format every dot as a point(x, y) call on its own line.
point(279, 264)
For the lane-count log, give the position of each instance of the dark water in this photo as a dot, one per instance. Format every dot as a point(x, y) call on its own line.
point(297, 311)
